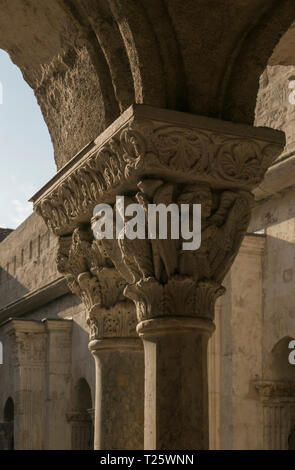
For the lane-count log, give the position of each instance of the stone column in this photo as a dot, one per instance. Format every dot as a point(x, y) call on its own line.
point(28, 340)
point(176, 379)
point(119, 393)
point(174, 291)
point(154, 156)
point(116, 348)
point(81, 430)
point(278, 404)
point(57, 383)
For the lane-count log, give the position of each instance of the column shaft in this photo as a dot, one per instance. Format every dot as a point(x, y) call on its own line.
point(119, 394)
point(176, 385)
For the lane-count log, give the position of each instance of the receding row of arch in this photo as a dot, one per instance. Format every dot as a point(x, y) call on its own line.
point(82, 427)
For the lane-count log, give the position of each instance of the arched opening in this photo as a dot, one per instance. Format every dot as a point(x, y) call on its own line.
point(64, 70)
point(82, 396)
point(279, 398)
point(278, 367)
point(9, 410)
point(26, 156)
point(7, 426)
point(82, 433)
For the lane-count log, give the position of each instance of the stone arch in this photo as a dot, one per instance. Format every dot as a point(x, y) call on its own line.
point(81, 417)
point(8, 412)
point(89, 60)
point(82, 399)
point(253, 52)
point(278, 397)
point(275, 101)
point(277, 367)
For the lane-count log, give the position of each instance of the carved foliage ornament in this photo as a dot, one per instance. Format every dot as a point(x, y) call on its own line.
point(162, 278)
point(92, 277)
point(145, 148)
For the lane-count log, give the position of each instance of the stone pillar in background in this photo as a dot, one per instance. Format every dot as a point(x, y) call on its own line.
point(57, 381)
point(119, 393)
point(156, 156)
point(278, 403)
point(116, 348)
point(28, 340)
point(81, 430)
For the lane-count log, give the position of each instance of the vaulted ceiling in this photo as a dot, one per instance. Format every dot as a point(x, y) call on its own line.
point(88, 60)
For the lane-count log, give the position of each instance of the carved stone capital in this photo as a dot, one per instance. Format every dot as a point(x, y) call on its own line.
point(94, 279)
point(146, 141)
point(157, 156)
point(162, 277)
point(180, 296)
point(28, 342)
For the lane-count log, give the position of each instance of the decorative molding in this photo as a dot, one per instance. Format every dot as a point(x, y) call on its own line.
point(117, 322)
point(138, 145)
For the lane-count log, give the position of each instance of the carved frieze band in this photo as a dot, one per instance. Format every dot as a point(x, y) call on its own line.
point(177, 159)
point(145, 147)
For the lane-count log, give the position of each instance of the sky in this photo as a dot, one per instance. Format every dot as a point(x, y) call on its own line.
point(26, 152)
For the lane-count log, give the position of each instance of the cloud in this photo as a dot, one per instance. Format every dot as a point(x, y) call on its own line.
point(20, 211)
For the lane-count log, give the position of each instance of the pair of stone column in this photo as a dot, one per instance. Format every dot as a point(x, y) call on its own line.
point(39, 364)
point(152, 289)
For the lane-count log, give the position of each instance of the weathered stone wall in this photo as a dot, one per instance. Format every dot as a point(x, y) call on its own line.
point(4, 232)
point(277, 217)
point(27, 260)
point(256, 312)
point(237, 357)
point(273, 106)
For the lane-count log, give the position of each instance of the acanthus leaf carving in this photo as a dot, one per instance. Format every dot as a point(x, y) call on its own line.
point(163, 278)
point(155, 156)
point(92, 277)
point(145, 147)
